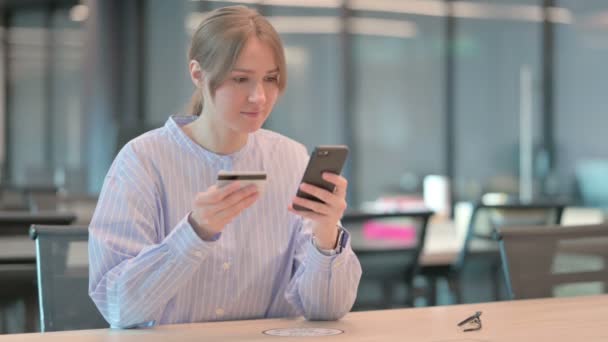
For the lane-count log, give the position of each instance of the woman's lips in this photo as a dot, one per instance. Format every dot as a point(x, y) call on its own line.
point(251, 114)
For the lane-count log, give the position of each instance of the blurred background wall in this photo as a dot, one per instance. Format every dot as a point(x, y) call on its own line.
point(480, 91)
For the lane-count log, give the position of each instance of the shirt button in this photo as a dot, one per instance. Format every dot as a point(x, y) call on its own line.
point(198, 254)
point(226, 266)
point(219, 312)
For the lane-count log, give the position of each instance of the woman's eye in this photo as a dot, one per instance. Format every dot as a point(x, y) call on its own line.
point(240, 79)
point(272, 79)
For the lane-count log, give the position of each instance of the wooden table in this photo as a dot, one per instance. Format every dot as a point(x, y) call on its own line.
point(445, 238)
point(17, 249)
point(442, 243)
point(19, 222)
point(564, 319)
point(441, 247)
point(15, 244)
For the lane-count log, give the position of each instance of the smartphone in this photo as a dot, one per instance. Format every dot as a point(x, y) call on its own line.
point(325, 158)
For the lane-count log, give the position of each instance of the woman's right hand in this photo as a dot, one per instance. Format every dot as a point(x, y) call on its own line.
point(213, 209)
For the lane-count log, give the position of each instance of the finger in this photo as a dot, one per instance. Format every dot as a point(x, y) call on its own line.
point(216, 194)
point(207, 208)
point(234, 198)
point(318, 192)
point(340, 182)
point(231, 212)
point(317, 207)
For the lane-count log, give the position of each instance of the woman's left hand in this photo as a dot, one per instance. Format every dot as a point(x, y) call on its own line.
point(325, 216)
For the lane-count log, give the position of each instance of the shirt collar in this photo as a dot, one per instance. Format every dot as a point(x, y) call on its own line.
point(174, 125)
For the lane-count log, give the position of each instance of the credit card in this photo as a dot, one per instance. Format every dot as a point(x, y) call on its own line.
point(257, 178)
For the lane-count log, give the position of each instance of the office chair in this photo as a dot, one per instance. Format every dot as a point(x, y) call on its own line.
point(17, 297)
point(554, 261)
point(387, 265)
point(29, 198)
point(18, 273)
point(63, 273)
point(476, 275)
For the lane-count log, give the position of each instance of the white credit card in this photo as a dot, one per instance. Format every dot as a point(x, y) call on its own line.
point(258, 178)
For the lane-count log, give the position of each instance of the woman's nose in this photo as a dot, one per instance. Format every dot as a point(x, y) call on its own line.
point(258, 95)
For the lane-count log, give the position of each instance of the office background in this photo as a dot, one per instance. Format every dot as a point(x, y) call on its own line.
point(413, 87)
point(494, 96)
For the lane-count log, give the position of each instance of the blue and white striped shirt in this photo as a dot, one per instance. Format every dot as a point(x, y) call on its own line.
point(148, 266)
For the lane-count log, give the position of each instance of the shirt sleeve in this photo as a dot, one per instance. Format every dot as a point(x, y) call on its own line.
point(323, 287)
point(133, 273)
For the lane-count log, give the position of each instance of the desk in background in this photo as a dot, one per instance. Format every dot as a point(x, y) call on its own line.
point(19, 222)
point(15, 244)
point(445, 239)
point(563, 319)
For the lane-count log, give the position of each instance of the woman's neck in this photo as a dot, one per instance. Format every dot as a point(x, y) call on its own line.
point(212, 137)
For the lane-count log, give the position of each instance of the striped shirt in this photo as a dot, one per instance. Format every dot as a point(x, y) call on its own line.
point(148, 266)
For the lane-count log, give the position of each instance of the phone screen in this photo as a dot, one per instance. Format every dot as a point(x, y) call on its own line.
point(327, 158)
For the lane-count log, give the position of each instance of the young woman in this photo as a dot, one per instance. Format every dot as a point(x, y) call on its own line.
point(166, 245)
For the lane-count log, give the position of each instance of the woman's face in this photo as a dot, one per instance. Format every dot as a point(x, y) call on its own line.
point(244, 100)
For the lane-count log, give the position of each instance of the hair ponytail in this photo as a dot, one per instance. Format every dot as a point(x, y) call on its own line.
point(196, 103)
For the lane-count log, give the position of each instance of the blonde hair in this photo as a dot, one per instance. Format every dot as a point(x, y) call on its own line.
point(217, 43)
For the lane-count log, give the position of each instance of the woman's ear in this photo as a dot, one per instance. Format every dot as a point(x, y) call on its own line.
point(196, 73)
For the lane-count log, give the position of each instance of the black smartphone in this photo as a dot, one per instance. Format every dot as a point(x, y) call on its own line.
point(325, 158)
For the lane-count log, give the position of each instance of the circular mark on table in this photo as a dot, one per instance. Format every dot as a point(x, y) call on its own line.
point(462, 340)
point(301, 332)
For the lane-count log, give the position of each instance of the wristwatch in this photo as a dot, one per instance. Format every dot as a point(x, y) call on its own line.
point(340, 243)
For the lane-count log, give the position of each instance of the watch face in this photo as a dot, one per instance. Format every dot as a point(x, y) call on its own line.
point(303, 332)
